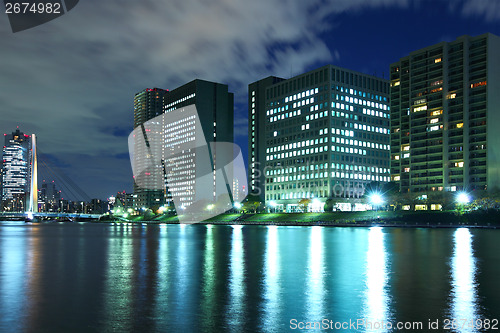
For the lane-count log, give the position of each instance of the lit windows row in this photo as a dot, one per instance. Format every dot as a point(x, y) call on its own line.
point(297, 153)
point(338, 166)
point(285, 115)
point(363, 94)
point(302, 94)
point(360, 101)
point(360, 143)
point(294, 145)
point(180, 101)
point(337, 174)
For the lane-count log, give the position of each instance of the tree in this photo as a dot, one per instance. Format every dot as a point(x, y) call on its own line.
point(303, 203)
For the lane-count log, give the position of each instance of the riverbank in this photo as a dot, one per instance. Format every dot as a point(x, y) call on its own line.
point(433, 219)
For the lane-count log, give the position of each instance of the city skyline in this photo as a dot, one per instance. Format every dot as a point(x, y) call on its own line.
point(80, 86)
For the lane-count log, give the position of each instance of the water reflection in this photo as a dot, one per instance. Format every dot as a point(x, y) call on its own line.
point(376, 295)
point(118, 286)
point(315, 292)
point(236, 308)
point(464, 287)
point(270, 313)
point(12, 269)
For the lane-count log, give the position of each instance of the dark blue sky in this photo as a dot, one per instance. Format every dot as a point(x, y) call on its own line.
point(72, 81)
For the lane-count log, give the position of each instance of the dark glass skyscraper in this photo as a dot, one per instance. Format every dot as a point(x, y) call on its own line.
point(148, 104)
point(215, 111)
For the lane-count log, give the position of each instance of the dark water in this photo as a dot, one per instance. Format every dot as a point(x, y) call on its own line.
point(195, 278)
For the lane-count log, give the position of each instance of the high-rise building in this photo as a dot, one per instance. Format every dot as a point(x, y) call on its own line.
point(256, 128)
point(445, 106)
point(326, 135)
point(49, 197)
point(215, 115)
point(148, 104)
point(16, 171)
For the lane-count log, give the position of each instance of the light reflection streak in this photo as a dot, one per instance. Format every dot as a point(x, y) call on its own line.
point(118, 285)
point(208, 300)
point(464, 286)
point(13, 264)
point(315, 284)
point(162, 297)
point(376, 296)
point(236, 308)
point(271, 278)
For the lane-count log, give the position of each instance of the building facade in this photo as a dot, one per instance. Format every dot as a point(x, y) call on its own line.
point(148, 104)
point(445, 106)
point(326, 136)
point(212, 121)
point(256, 128)
point(16, 172)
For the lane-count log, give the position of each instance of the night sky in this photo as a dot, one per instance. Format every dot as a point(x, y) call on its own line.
point(72, 81)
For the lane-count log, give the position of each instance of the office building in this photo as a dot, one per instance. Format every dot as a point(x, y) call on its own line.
point(16, 172)
point(256, 128)
point(444, 112)
point(326, 136)
point(212, 121)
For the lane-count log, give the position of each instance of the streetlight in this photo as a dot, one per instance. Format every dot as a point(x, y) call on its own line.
point(376, 200)
point(237, 205)
point(273, 204)
point(463, 198)
point(316, 205)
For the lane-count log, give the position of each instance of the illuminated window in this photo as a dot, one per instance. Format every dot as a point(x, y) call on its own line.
point(406, 169)
point(407, 155)
point(451, 96)
point(396, 178)
point(405, 148)
point(434, 120)
point(435, 83)
point(395, 83)
point(420, 101)
point(436, 90)
point(459, 164)
point(433, 128)
point(436, 113)
point(478, 84)
point(460, 125)
point(420, 108)
point(396, 157)
point(437, 60)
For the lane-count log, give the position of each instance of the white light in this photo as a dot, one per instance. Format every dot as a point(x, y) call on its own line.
point(376, 199)
point(273, 204)
point(463, 198)
point(237, 205)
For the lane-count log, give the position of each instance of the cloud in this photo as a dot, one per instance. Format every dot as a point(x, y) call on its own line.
point(489, 9)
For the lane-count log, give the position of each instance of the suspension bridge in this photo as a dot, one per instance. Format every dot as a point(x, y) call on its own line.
point(33, 211)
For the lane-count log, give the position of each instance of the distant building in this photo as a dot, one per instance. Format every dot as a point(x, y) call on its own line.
point(16, 173)
point(126, 199)
point(445, 105)
point(98, 206)
point(320, 135)
point(49, 196)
